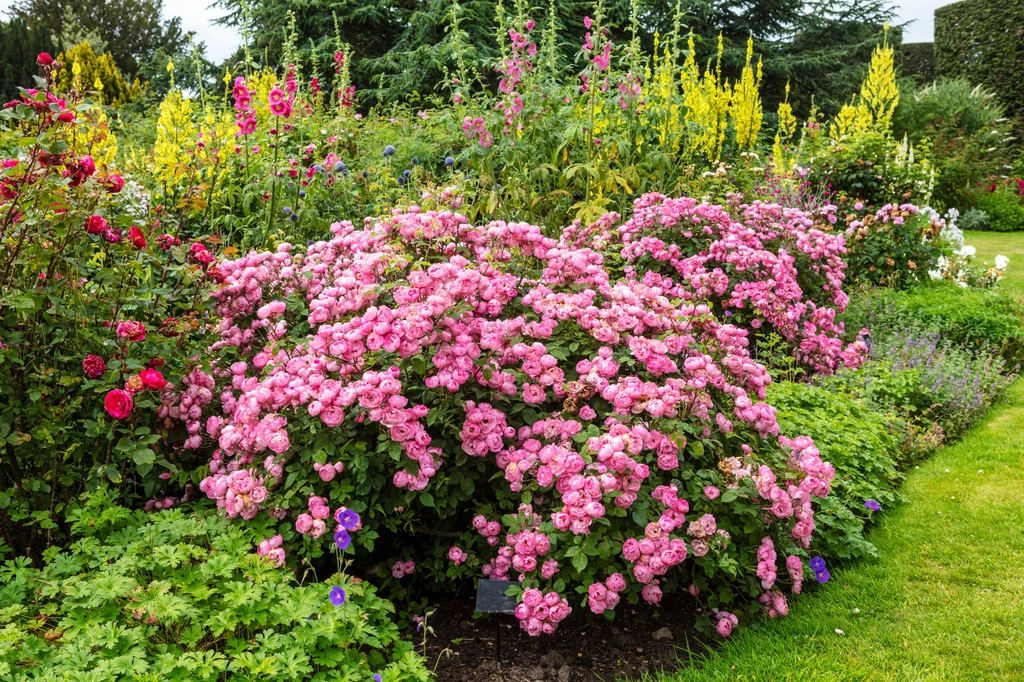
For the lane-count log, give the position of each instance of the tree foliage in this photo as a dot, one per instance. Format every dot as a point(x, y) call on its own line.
point(131, 30)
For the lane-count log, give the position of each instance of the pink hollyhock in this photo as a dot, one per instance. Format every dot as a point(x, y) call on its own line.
point(94, 366)
point(118, 403)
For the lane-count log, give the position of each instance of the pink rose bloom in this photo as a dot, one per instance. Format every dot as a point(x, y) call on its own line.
point(118, 403)
point(711, 492)
point(304, 523)
point(726, 623)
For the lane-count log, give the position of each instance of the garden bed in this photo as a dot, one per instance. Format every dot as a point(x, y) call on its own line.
point(640, 641)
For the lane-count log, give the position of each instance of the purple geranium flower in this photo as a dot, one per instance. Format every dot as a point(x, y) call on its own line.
point(342, 539)
point(347, 518)
point(822, 576)
point(817, 564)
point(872, 505)
point(337, 596)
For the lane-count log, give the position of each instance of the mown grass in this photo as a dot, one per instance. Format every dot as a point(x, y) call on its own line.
point(1009, 244)
point(944, 602)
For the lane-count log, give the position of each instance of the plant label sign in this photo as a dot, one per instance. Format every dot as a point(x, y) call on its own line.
point(491, 598)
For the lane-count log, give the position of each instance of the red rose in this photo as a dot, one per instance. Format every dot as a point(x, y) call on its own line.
point(66, 116)
point(118, 403)
point(153, 379)
point(44, 59)
point(96, 224)
point(115, 183)
point(94, 366)
point(136, 237)
point(155, 362)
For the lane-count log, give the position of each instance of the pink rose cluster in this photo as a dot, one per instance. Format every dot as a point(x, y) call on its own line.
point(314, 523)
point(487, 529)
point(657, 552)
point(402, 569)
point(604, 596)
point(272, 550)
point(540, 612)
point(751, 259)
point(457, 555)
point(239, 493)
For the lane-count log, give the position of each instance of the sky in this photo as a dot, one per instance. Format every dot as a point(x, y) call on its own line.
point(196, 15)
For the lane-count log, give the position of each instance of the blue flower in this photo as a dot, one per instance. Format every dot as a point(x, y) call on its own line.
point(348, 518)
point(342, 539)
point(286, 210)
point(401, 180)
point(337, 596)
point(302, 194)
point(318, 168)
point(415, 161)
point(338, 167)
point(822, 576)
point(872, 505)
point(389, 150)
point(377, 677)
point(365, 175)
point(817, 564)
point(294, 217)
point(449, 161)
point(406, 173)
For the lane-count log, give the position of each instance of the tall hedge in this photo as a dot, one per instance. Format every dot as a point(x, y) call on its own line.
point(919, 60)
point(983, 41)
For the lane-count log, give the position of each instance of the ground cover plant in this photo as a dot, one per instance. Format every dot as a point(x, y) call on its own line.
point(175, 596)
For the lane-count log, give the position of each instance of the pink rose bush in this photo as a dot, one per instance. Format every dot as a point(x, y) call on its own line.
point(594, 434)
point(762, 266)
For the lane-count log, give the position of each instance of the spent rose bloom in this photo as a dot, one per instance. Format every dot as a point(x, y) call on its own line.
point(118, 403)
point(94, 366)
point(130, 330)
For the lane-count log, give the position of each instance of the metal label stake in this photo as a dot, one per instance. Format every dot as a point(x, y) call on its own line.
point(491, 598)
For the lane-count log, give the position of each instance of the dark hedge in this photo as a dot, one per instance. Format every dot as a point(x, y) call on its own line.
point(983, 41)
point(919, 60)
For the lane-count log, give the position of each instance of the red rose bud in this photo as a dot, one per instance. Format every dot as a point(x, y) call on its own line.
point(44, 59)
point(136, 237)
point(66, 116)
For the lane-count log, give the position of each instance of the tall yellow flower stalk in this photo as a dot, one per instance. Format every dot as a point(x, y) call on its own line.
point(784, 135)
point(176, 137)
point(92, 132)
point(707, 101)
point(661, 101)
point(879, 92)
point(746, 111)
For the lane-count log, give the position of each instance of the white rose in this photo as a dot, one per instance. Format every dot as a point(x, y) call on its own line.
point(1002, 262)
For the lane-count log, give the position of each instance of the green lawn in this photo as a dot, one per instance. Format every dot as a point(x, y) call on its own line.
point(1009, 244)
point(944, 602)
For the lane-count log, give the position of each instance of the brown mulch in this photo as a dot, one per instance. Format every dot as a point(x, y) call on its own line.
point(585, 648)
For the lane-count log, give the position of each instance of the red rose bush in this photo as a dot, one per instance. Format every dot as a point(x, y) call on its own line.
point(596, 435)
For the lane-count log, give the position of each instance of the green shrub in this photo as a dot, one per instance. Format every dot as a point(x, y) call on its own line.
point(1003, 204)
point(967, 130)
point(974, 219)
point(974, 318)
point(861, 444)
point(183, 597)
